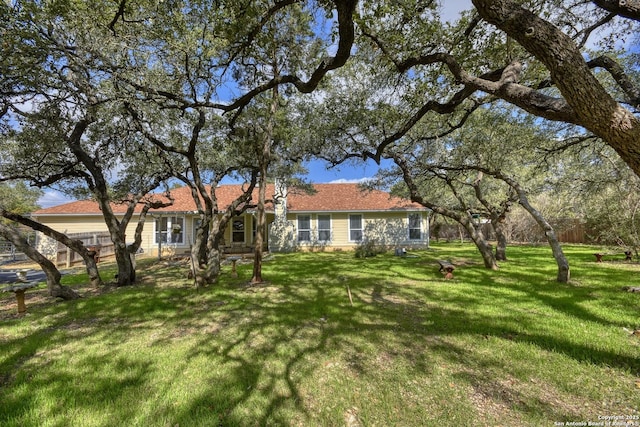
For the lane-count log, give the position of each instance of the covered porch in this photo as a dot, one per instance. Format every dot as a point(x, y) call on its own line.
point(173, 234)
point(240, 235)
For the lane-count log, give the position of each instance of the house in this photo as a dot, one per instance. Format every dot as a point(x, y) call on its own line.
point(334, 217)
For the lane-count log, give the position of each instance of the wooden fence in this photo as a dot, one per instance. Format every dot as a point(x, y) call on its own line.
point(567, 231)
point(572, 232)
point(100, 242)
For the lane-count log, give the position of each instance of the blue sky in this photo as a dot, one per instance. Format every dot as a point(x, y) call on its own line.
point(318, 173)
point(351, 172)
point(318, 170)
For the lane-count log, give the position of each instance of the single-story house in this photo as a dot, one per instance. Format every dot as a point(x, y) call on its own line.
point(333, 217)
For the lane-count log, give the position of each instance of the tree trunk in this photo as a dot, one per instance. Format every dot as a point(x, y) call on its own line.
point(100, 189)
point(74, 245)
point(464, 220)
point(497, 214)
point(264, 157)
point(477, 236)
point(92, 270)
point(55, 289)
point(212, 271)
point(594, 108)
point(133, 248)
point(205, 252)
point(214, 256)
point(260, 228)
point(563, 265)
point(486, 251)
point(199, 252)
point(126, 269)
point(260, 212)
point(125, 258)
point(501, 247)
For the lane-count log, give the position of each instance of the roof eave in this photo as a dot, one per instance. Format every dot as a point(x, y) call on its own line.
point(360, 210)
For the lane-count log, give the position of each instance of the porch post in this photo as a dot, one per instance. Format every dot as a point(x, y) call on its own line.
point(428, 229)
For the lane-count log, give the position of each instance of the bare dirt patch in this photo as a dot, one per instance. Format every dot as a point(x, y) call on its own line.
point(33, 298)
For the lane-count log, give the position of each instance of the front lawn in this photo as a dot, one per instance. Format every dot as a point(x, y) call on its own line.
point(510, 347)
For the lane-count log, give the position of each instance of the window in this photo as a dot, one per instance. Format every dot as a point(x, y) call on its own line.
point(170, 229)
point(237, 230)
point(324, 228)
point(415, 226)
point(355, 228)
point(304, 228)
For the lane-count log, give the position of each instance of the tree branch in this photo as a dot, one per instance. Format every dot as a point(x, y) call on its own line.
point(251, 35)
point(346, 32)
point(625, 8)
point(119, 14)
point(616, 71)
point(587, 31)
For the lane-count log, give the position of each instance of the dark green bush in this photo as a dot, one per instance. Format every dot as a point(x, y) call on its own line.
point(368, 248)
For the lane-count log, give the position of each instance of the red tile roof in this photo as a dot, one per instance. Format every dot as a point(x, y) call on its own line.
point(345, 197)
point(327, 198)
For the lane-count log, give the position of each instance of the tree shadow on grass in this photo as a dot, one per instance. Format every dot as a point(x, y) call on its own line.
point(263, 343)
point(80, 387)
point(538, 285)
point(416, 327)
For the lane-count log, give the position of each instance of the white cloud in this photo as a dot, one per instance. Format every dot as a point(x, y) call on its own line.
point(351, 181)
point(53, 198)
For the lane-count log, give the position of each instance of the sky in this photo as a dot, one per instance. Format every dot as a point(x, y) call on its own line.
point(319, 172)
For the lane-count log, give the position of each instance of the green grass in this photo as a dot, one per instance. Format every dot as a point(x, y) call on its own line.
point(510, 347)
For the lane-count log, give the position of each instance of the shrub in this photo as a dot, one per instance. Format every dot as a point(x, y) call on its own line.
point(368, 248)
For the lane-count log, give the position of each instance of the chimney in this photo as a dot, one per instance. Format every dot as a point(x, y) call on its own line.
point(280, 200)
